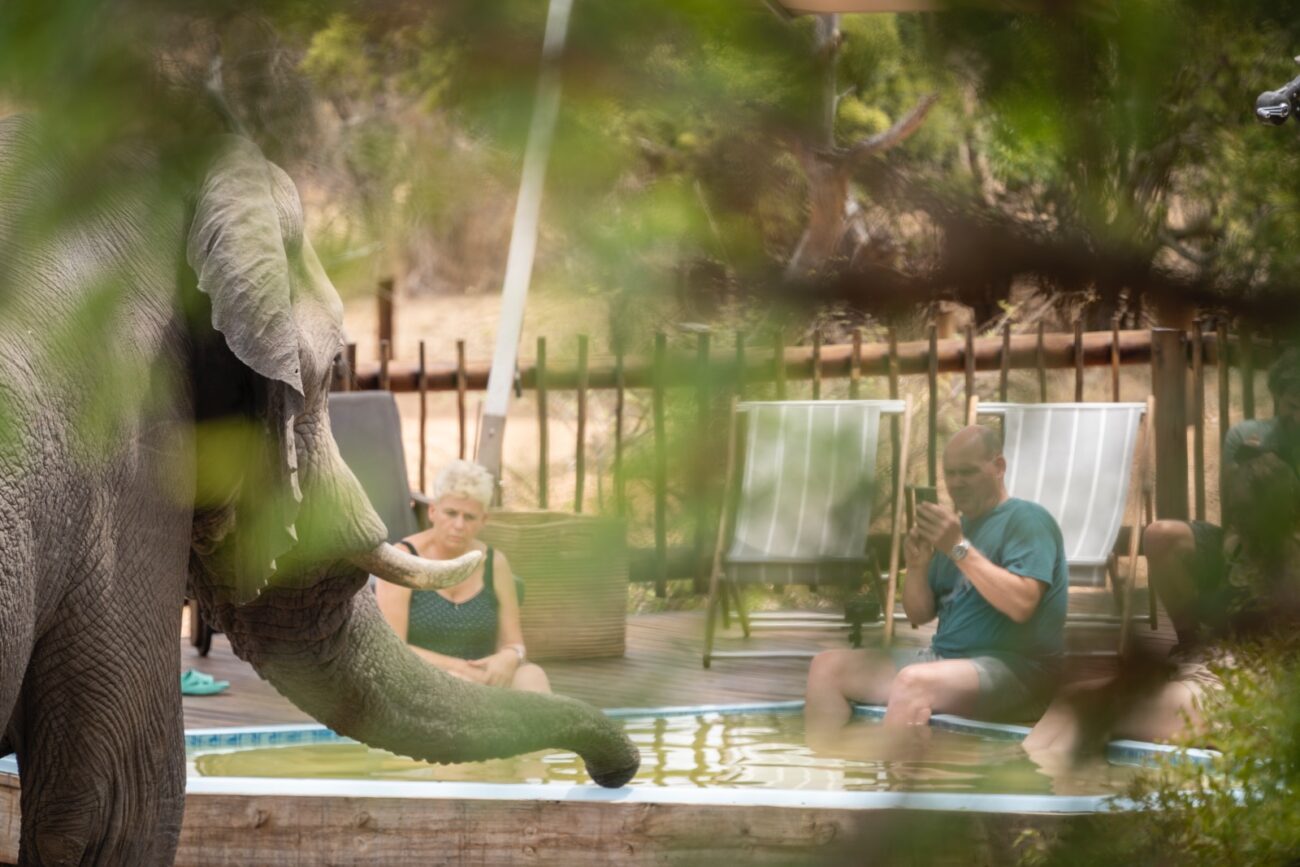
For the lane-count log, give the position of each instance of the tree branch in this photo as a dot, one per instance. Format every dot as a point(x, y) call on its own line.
point(895, 135)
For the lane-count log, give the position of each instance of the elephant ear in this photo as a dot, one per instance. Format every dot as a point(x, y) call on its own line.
point(237, 249)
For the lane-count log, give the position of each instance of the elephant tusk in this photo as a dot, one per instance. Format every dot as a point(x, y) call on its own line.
point(398, 567)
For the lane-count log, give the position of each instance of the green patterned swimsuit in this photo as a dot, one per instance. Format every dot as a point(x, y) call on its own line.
point(467, 630)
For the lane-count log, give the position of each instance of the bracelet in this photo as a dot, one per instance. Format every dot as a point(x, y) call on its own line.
point(519, 651)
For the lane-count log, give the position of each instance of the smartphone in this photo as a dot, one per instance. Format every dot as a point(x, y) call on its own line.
point(917, 494)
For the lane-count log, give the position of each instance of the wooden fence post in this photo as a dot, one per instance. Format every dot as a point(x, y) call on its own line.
point(462, 381)
point(778, 362)
point(1198, 418)
point(422, 385)
point(705, 454)
point(932, 443)
point(817, 366)
point(385, 301)
point(1247, 372)
point(970, 367)
point(580, 447)
point(1078, 359)
point(1040, 359)
point(543, 430)
point(1222, 363)
point(661, 467)
point(895, 459)
point(740, 365)
point(620, 386)
point(1005, 371)
point(855, 365)
point(1114, 358)
point(1169, 385)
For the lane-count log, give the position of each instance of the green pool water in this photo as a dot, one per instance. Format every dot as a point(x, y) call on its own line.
point(763, 750)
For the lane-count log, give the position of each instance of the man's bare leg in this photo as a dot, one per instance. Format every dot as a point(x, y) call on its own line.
point(837, 677)
point(946, 686)
point(1170, 711)
point(1163, 716)
point(1061, 728)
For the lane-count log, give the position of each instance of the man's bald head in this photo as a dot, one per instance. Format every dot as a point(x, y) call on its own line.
point(977, 436)
point(973, 468)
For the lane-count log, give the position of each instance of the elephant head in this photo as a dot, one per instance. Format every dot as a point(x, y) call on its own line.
point(280, 317)
point(284, 537)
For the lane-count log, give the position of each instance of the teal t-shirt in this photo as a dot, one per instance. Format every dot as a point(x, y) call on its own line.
point(1023, 538)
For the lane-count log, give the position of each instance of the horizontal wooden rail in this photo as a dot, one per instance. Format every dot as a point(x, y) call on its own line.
point(836, 361)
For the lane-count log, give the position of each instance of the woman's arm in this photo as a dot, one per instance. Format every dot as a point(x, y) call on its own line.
point(500, 667)
point(509, 632)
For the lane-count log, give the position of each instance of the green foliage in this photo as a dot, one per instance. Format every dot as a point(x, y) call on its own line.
point(1245, 811)
point(338, 62)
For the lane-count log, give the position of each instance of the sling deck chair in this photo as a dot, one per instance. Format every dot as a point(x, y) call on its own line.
point(1077, 461)
point(802, 506)
point(368, 430)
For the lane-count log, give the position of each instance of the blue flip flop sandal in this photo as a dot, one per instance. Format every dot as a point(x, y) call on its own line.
point(194, 682)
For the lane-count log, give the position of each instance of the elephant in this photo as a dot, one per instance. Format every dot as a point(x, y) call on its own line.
point(175, 438)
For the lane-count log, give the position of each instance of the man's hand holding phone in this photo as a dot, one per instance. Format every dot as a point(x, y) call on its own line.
point(938, 525)
point(917, 550)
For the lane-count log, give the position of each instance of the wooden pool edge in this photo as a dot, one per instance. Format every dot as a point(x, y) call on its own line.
point(225, 830)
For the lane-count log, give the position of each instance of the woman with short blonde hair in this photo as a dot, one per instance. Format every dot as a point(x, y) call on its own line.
point(470, 630)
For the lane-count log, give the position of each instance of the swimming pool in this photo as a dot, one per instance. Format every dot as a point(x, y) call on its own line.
point(756, 747)
point(740, 770)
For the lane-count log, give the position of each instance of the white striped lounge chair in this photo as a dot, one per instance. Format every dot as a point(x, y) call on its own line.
point(804, 504)
point(1076, 460)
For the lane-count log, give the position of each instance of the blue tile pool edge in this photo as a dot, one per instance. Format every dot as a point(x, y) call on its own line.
point(266, 735)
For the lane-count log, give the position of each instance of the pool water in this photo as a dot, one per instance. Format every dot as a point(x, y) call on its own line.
point(714, 750)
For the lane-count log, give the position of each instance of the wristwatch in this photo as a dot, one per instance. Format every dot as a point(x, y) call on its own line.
point(519, 651)
point(960, 550)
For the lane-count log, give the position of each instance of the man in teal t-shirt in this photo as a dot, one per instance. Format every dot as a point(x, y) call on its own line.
point(996, 578)
point(1022, 538)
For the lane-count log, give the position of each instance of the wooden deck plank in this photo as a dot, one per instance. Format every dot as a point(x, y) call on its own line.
point(662, 668)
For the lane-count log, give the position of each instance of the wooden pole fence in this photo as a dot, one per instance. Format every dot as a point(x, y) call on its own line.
point(836, 359)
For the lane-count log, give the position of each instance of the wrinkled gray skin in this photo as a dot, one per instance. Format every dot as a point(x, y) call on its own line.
point(97, 536)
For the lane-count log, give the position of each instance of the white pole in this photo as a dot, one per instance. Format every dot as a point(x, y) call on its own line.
point(523, 240)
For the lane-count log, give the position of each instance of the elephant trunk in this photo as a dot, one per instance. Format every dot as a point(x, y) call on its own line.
point(398, 567)
point(329, 651)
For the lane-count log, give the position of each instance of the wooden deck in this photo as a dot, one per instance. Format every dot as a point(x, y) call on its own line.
point(662, 668)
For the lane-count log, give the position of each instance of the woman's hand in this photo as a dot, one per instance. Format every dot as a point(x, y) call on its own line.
point(467, 670)
point(497, 669)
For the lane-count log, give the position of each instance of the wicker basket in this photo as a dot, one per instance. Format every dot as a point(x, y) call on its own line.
point(575, 579)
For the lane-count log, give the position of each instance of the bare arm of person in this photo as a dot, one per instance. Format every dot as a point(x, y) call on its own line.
point(1014, 595)
point(500, 667)
point(918, 598)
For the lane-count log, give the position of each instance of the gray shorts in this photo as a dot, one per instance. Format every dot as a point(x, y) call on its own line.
point(1003, 694)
